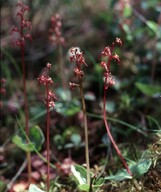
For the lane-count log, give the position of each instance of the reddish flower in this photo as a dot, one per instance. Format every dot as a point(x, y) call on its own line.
point(47, 81)
point(77, 56)
point(73, 85)
point(118, 41)
point(24, 27)
point(56, 30)
point(116, 58)
point(48, 66)
point(106, 52)
point(78, 73)
point(108, 56)
point(104, 65)
point(51, 95)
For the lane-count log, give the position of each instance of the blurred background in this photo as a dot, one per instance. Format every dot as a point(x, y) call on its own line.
point(133, 103)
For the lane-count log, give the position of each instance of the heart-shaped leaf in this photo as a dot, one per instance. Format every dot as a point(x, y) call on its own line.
point(120, 176)
point(36, 136)
point(138, 169)
point(36, 139)
point(141, 167)
point(28, 147)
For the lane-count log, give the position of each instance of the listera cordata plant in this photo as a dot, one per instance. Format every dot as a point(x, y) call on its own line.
point(108, 56)
point(20, 34)
point(76, 56)
point(56, 37)
point(49, 101)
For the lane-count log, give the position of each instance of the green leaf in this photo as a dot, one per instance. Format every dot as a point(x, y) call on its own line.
point(68, 108)
point(128, 32)
point(28, 147)
point(148, 90)
point(36, 136)
point(64, 95)
point(84, 187)
point(98, 183)
point(59, 141)
point(153, 26)
point(34, 188)
point(110, 106)
point(36, 139)
point(80, 174)
point(141, 167)
point(138, 169)
point(153, 122)
point(76, 139)
point(120, 176)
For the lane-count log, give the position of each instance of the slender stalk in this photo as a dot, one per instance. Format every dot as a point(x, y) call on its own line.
point(85, 131)
point(28, 154)
point(49, 102)
point(23, 35)
point(110, 135)
point(48, 137)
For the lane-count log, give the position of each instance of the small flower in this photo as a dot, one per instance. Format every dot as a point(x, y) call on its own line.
point(73, 85)
point(25, 25)
point(104, 65)
point(116, 58)
point(108, 56)
point(51, 96)
point(14, 29)
point(48, 66)
point(72, 53)
point(76, 55)
point(106, 52)
point(118, 41)
point(78, 73)
point(56, 30)
point(51, 104)
point(109, 81)
point(28, 36)
point(45, 80)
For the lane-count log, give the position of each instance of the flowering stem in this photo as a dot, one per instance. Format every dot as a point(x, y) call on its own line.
point(48, 137)
point(49, 102)
point(109, 133)
point(26, 109)
point(85, 131)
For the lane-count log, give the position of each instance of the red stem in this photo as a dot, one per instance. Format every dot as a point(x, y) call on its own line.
point(25, 100)
point(48, 138)
point(109, 133)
